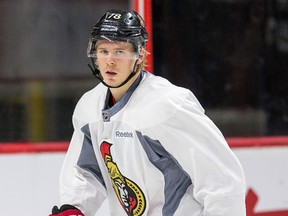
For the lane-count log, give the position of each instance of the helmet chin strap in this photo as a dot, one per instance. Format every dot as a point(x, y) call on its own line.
point(98, 75)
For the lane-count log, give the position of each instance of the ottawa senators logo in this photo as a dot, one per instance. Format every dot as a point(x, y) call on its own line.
point(129, 194)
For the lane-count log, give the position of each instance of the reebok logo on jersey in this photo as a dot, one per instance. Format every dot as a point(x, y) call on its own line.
point(124, 134)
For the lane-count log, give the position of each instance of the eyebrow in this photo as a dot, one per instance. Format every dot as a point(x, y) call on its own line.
point(117, 48)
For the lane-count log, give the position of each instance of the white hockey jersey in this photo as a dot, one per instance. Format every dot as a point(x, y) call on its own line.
point(153, 153)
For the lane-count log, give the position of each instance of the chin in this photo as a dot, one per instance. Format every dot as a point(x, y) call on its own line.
point(113, 84)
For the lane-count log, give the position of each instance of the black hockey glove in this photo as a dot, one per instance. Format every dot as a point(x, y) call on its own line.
point(66, 210)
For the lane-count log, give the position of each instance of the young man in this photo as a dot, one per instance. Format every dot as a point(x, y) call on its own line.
point(141, 142)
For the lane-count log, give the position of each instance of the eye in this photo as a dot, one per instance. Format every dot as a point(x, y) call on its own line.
point(120, 52)
point(103, 52)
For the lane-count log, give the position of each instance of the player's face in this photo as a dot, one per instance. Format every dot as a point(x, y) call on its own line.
point(115, 61)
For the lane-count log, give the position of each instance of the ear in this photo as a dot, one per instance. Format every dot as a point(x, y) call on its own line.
point(141, 56)
point(139, 60)
point(96, 63)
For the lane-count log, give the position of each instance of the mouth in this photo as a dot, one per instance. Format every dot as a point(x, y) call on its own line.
point(110, 73)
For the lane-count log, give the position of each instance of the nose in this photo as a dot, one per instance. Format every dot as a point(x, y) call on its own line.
point(110, 59)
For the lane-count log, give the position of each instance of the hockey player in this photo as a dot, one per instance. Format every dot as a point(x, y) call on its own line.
point(141, 142)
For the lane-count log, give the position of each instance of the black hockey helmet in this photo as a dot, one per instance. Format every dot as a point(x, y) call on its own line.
point(119, 25)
